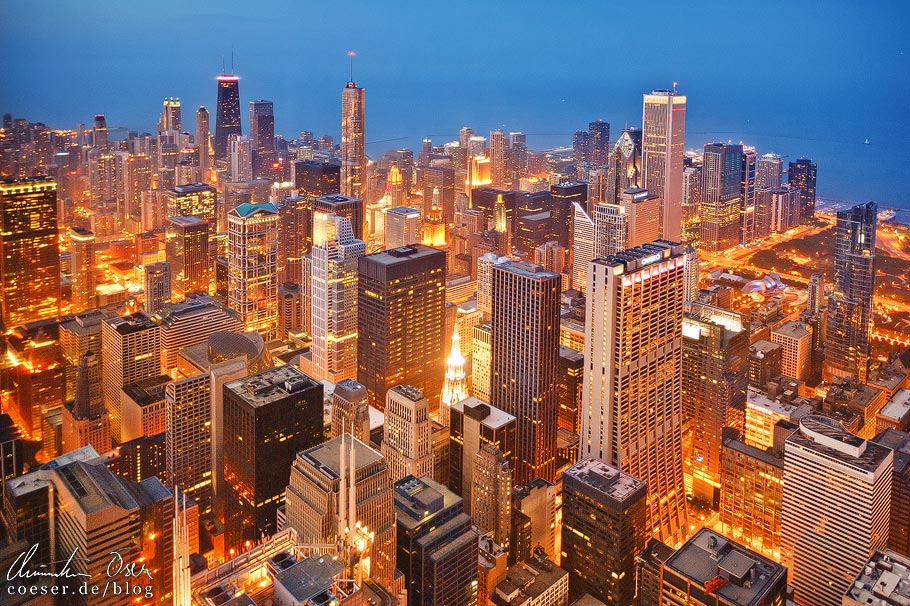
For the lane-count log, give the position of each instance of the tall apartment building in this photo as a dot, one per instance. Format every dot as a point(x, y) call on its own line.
point(130, 352)
point(188, 438)
point(437, 546)
point(192, 200)
point(632, 405)
point(721, 197)
point(837, 504)
point(406, 443)
point(603, 529)
point(186, 249)
point(401, 298)
point(82, 261)
point(525, 362)
point(253, 266)
point(269, 417)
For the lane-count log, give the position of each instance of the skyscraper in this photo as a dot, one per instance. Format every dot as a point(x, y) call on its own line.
point(837, 503)
point(353, 153)
point(157, 286)
point(86, 421)
point(747, 193)
point(186, 249)
point(454, 387)
point(406, 443)
point(437, 547)
point(850, 302)
point(498, 158)
point(29, 255)
point(269, 417)
point(253, 266)
point(632, 404)
point(351, 410)
point(402, 227)
point(262, 126)
point(663, 142)
point(401, 298)
point(721, 199)
point(525, 362)
point(491, 494)
point(768, 171)
point(82, 255)
point(584, 237)
point(130, 352)
point(333, 286)
point(227, 119)
point(624, 165)
point(598, 142)
point(343, 206)
point(170, 115)
point(192, 200)
point(603, 529)
point(203, 142)
point(802, 175)
point(188, 438)
point(715, 350)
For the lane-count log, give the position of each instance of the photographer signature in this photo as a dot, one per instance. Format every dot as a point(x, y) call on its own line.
point(117, 567)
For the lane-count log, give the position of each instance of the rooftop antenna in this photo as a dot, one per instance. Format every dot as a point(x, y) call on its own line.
point(222, 65)
point(351, 54)
point(232, 64)
point(674, 86)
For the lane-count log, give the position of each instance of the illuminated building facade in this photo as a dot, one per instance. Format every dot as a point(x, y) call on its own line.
point(203, 142)
point(482, 361)
point(401, 300)
point(632, 406)
point(253, 266)
point(769, 170)
point(269, 417)
point(192, 200)
point(192, 322)
point(85, 420)
point(157, 286)
point(526, 361)
point(802, 174)
point(29, 254)
point(603, 530)
point(353, 153)
point(491, 494)
point(188, 438)
point(403, 226)
point(351, 410)
point(850, 302)
point(715, 346)
point(583, 239)
point(837, 504)
point(343, 206)
point(82, 261)
point(186, 250)
point(262, 126)
point(721, 197)
point(624, 165)
point(406, 443)
point(227, 119)
point(663, 142)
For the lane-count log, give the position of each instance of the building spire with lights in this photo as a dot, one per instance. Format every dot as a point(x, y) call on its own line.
point(454, 388)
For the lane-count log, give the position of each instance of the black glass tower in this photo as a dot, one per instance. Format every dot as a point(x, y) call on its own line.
point(227, 122)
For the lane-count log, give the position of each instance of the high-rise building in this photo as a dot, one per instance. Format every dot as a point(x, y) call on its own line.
point(611, 230)
point(437, 546)
point(353, 154)
point(769, 170)
point(642, 209)
point(632, 408)
point(747, 196)
point(525, 362)
point(795, 340)
point(29, 255)
point(693, 275)
point(186, 250)
point(192, 200)
point(837, 503)
point(86, 421)
point(801, 174)
point(170, 115)
point(253, 266)
point(203, 142)
point(157, 286)
point(403, 226)
point(269, 417)
point(401, 300)
point(227, 119)
point(333, 287)
point(623, 165)
point(454, 387)
point(474, 424)
point(188, 438)
point(491, 494)
point(82, 255)
point(406, 443)
point(482, 361)
point(850, 302)
point(603, 529)
point(721, 196)
point(130, 352)
point(598, 142)
point(192, 322)
point(533, 520)
point(343, 206)
point(262, 126)
point(351, 410)
point(663, 143)
point(584, 238)
point(345, 483)
point(715, 349)
point(498, 157)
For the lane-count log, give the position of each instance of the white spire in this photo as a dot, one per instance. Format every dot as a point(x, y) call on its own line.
point(454, 388)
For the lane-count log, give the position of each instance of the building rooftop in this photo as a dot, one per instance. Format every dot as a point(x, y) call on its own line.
point(404, 210)
point(308, 578)
point(708, 554)
point(326, 457)
point(793, 330)
point(193, 307)
point(761, 348)
point(638, 257)
point(828, 436)
point(419, 499)
point(188, 221)
point(411, 393)
point(883, 581)
point(126, 325)
point(402, 254)
point(147, 391)
point(272, 385)
point(526, 580)
point(191, 188)
point(898, 406)
point(526, 269)
point(757, 399)
point(247, 209)
point(604, 482)
point(488, 415)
